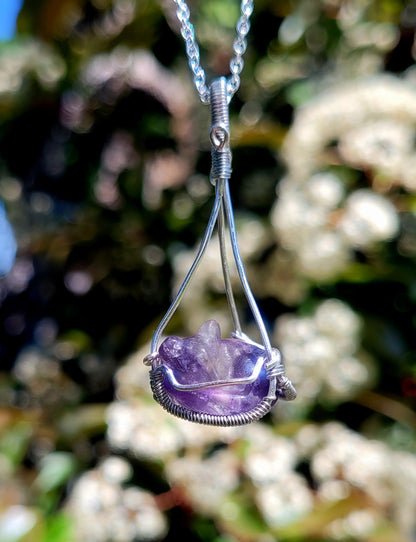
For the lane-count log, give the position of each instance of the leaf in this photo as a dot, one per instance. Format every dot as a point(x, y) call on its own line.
point(82, 421)
point(59, 529)
point(315, 524)
point(240, 518)
point(56, 468)
point(15, 440)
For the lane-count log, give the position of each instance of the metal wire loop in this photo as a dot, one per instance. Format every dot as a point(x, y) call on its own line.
point(219, 137)
point(162, 397)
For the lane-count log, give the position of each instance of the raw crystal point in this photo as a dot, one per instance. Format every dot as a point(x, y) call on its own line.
point(205, 358)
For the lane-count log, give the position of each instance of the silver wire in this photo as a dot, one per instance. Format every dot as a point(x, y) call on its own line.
point(219, 190)
point(226, 271)
point(192, 49)
point(221, 169)
point(214, 383)
point(161, 395)
point(242, 273)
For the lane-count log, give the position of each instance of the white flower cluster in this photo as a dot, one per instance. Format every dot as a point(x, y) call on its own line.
point(205, 482)
point(146, 431)
point(105, 511)
point(367, 124)
point(323, 354)
point(343, 462)
point(302, 220)
point(310, 222)
point(282, 495)
point(371, 119)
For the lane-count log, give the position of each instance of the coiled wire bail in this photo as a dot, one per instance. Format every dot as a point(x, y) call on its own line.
point(220, 130)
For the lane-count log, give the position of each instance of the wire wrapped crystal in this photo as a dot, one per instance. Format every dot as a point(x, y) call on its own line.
point(205, 378)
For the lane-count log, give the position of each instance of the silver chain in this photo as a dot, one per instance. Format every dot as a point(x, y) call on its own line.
point(192, 49)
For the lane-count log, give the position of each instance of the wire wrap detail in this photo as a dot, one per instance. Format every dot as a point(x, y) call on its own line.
point(220, 131)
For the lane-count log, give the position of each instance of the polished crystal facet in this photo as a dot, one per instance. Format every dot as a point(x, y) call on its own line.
point(206, 359)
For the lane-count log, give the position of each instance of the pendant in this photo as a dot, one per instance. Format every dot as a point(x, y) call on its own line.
point(204, 378)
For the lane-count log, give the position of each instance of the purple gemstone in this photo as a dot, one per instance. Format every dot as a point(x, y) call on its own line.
point(206, 358)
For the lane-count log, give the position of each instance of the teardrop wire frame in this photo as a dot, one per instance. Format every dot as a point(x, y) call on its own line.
point(222, 211)
point(271, 361)
point(222, 199)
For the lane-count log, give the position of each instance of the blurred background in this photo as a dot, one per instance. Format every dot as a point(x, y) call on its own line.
point(104, 194)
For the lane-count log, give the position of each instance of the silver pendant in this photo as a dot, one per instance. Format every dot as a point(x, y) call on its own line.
point(204, 378)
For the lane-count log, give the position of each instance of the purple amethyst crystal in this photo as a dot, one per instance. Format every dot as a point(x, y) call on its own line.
point(205, 359)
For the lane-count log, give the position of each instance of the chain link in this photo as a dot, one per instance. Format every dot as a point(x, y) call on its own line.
point(192, 49)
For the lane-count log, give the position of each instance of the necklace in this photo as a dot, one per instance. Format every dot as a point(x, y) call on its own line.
point(192, 49)
point(204, 378)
